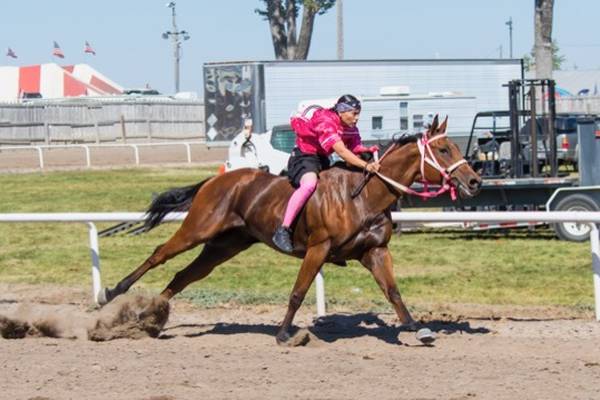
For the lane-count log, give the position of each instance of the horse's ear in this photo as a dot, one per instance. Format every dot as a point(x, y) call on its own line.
point(434, 125)
point(443, 126)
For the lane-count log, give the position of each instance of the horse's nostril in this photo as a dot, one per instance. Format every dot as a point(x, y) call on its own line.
point(475, 184)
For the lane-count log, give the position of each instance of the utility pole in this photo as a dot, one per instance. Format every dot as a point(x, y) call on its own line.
point(340, 29)
point(175, 36)
point(510, 28)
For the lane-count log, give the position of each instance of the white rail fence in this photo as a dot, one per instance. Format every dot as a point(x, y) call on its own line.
point(135, 147)
point(591, 218)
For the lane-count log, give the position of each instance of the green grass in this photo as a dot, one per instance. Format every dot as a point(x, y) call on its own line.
point(518, 268)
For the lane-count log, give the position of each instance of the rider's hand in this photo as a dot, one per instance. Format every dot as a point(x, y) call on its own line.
point(374, 149)
point(372, 167)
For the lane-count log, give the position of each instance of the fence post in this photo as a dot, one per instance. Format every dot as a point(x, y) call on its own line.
point(188, 149)
point(320, 291)
point(88, 160)
point(595, 245)
point(123, 133)
point(136, 154)
point(95, 254)
point(40, 156)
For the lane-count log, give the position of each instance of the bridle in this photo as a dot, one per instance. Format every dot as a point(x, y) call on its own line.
point(427, 157)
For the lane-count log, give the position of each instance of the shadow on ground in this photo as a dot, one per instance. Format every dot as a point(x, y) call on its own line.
point(329, 329)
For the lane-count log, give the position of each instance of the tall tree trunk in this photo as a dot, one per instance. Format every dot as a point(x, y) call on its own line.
point(306, 29)
point(277, 25)
point(543, 38)
point(283, 15)
point(290, 17)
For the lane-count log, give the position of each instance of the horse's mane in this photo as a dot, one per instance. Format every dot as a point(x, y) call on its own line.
point(406, 138)
point(401, 139)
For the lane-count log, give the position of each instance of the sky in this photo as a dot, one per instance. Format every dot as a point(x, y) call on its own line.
point(126, 34)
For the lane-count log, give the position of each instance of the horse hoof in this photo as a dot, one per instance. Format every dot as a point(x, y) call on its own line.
point(282, 338)
point(300, 338)
point(425, 336)
point(104, 297)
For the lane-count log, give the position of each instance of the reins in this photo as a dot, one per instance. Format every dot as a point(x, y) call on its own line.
point(367, 175)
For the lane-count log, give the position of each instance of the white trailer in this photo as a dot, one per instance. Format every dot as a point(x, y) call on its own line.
point(269, 91)
point(396, 110)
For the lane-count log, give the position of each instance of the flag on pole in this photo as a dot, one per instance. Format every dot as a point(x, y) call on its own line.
point(88, 48)
point(57, 52)
point(11, 53)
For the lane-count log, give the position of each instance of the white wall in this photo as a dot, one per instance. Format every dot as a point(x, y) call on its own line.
point(287, 83)
point(9, 83)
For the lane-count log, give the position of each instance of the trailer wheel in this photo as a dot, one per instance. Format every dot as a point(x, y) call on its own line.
point(571, 231)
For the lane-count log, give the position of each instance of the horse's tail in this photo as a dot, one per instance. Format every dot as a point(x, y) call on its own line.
point(177, 199)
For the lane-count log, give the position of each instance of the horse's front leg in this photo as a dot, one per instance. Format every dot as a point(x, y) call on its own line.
point(378, 260)
point(312, 263)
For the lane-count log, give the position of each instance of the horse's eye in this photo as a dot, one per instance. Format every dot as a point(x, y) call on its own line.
point(444, 150)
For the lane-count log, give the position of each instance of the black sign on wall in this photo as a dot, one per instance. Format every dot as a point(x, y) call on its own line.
point(229, 92)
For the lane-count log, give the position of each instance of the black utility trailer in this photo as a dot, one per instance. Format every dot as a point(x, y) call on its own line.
point(512, 180)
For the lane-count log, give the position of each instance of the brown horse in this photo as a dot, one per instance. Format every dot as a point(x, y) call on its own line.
point(230, 212)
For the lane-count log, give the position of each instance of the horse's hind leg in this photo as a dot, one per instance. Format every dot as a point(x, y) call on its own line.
point(378, 260)
point(181, 241)
point(215, 252)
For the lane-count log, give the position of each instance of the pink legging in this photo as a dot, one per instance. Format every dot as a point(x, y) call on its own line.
point(308, 184)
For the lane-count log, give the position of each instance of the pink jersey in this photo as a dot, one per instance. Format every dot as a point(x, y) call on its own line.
point(318, 134)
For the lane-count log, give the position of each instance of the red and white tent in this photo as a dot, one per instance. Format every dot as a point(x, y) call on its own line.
point(54, 81)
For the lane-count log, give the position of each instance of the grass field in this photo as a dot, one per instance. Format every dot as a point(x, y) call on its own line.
point(435, 267)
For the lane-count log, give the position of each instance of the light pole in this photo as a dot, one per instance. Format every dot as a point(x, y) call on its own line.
point(175, 36)
point(510, 24)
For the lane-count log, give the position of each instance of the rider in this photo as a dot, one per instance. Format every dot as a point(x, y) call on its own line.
point(327, 131)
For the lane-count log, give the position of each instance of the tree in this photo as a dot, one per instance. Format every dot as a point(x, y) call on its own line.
point(282, 16)
point(542, 48)
point(557, 59)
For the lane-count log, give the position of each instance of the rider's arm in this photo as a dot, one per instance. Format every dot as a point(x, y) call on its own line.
point(354, 143)
point(340, 148)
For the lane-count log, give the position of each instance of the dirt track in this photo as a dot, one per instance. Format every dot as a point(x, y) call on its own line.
point(230, 353)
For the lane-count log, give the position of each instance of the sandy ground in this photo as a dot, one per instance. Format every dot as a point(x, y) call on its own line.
point(230, 353)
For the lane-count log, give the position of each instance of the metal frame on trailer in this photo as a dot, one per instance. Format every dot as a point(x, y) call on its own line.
point(536, 192)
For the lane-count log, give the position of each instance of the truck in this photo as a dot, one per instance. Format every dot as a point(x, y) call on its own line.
point(518, 175)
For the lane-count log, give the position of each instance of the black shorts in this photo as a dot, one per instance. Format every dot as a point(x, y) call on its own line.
point(301, 163)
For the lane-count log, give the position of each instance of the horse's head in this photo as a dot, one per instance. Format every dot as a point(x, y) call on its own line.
point(442, 161)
